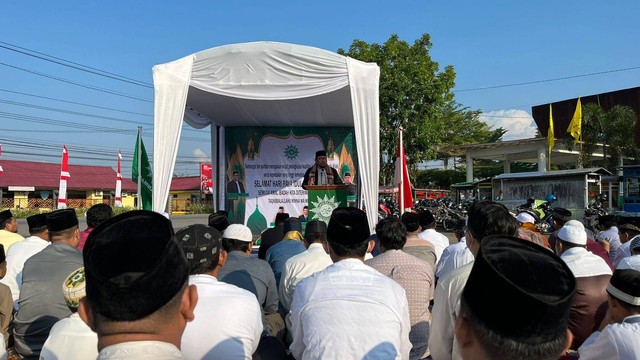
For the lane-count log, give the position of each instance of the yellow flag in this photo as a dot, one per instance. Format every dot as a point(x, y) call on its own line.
point(575, 127)
point(550, 135)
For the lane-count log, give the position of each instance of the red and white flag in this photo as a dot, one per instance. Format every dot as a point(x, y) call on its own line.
point(118, 202)
point(64, 176)
point(401, 180)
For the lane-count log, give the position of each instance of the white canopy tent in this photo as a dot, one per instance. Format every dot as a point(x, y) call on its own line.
point(265, 84)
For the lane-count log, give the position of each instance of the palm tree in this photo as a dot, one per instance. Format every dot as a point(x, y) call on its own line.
point(613, 130)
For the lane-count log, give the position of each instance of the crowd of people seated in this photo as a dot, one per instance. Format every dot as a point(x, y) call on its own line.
point(130, 287)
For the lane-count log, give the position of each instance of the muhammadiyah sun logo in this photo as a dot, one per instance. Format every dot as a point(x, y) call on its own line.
point(323, 208)
point(291, 152)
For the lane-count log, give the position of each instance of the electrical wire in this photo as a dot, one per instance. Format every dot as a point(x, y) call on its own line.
point(71, 64)
point(547, 80)
point(90, 87)
point(76, 103)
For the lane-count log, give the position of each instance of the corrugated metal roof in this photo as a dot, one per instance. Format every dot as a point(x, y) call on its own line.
point(45, 176)
point(469, 183)
point(596, 170)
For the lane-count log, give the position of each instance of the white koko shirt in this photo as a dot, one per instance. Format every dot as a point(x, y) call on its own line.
point(227, 324)
point(350, 311)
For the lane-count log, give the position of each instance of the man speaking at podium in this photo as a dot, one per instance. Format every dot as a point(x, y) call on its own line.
point(321, 173)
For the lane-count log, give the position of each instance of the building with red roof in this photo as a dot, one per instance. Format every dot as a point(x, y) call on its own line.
point(31, 184)
point(185, 191)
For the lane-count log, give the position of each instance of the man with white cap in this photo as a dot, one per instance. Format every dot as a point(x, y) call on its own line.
point(235, 310)
point(70, 338)
point(349, 310)
point(635, 246)
point(527, 229)
point(592, 277)
point(620, 339)
point(251, 274)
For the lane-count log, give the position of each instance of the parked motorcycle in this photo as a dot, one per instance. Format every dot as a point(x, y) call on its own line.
point(593, 212)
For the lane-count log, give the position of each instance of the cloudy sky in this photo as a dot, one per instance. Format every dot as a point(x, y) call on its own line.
point(518, 123)
point(508, 56)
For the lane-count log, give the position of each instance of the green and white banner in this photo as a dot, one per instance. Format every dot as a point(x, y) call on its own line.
point(271, 163)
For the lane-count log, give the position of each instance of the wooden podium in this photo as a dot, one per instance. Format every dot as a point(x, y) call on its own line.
point(322, 199)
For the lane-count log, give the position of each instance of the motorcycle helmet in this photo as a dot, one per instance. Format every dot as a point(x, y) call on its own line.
point(551, 198)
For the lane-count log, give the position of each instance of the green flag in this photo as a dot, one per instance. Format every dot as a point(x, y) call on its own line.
point(146, 176)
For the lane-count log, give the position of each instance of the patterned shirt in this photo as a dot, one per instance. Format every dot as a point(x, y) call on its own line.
point(417, 279)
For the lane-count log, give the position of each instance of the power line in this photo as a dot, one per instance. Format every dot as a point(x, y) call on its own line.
point(39, 107)
point(547, 80)
point(76, 103)
point(90, 87)
point(75, 125)
point(61, 123)
point(71, 64)
point(95, 155)
point(33, 106)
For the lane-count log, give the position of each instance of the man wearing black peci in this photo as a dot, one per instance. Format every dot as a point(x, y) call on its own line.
point(321, 173)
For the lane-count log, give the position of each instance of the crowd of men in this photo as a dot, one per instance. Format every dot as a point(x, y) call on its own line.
point(129, 287)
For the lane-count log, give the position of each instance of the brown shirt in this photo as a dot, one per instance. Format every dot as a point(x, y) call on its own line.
point(421, 249)
point(588, 308)
point(6, 311)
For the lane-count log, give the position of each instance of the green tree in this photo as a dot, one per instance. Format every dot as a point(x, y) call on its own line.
point(462, 126)
point(438, 179)
point(413, 94)
point(608, 131)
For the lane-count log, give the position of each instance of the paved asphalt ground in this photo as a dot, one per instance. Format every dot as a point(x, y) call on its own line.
point(179, 221)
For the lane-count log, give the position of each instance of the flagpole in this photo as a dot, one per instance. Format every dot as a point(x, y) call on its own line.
point(400, 185)
point(139, 167)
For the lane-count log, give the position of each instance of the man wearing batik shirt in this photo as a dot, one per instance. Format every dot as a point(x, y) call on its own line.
point(592, 277)
point(414, 275)
point(620, 339)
